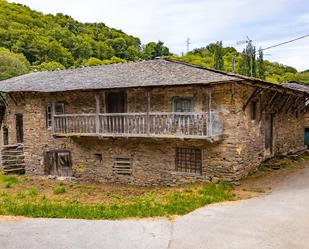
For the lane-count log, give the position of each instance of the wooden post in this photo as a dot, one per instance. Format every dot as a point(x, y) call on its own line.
point(53, 111)
point(97, 111)
point(148, 111)
point(209, 113)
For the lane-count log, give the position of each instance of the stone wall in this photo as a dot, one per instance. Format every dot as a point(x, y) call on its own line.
point(153, 160)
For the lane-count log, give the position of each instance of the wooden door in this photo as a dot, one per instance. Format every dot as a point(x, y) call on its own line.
point(269, 129)
point(58, 162)
point(116, 102)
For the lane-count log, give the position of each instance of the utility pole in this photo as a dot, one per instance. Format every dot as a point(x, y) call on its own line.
point(188, 44)
point(233, 64)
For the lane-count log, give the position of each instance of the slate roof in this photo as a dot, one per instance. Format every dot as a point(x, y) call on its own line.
point(159, 72)
point(296, 86)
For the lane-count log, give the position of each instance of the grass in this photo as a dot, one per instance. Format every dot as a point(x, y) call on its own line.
point(117, 202)
point(59, 190)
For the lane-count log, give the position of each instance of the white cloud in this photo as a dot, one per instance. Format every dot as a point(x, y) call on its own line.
point(204, 21)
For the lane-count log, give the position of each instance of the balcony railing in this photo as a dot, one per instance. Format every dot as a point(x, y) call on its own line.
point(153, 124)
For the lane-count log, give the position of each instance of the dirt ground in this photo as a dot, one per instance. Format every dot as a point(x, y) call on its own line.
point(268, 176)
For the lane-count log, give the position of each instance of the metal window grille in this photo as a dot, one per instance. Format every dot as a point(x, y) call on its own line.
point(189, 160)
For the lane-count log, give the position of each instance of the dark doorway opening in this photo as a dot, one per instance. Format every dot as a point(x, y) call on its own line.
point(19, 128)
point(269, 132)
point(116, 102)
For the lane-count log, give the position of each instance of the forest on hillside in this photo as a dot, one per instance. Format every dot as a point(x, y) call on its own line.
point(32, 41)
point(250, 63)
point(49, 42)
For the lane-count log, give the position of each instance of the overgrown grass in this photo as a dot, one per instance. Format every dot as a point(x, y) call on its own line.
point(59, 190)
point(149, 204)
point(8, 180)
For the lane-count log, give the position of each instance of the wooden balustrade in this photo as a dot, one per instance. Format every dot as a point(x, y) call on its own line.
point(152, 124)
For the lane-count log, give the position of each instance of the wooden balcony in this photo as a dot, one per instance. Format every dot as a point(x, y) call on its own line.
point(152, 124)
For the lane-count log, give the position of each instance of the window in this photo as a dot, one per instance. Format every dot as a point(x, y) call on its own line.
point(5, 135)
point(182, 104)
point(98, 157)
point(189, 160)
point(59, 109)
point(122, 165)
point(19, 121)
point(253, 109)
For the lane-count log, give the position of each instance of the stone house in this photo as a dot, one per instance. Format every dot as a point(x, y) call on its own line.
point(146, 122)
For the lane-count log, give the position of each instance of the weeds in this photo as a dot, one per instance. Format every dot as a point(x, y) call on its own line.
point(8, 180)
point(32, 192)
point(59, 190)
point(149, 204)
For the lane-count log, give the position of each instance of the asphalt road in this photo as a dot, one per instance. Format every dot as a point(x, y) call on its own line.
point(276, 221)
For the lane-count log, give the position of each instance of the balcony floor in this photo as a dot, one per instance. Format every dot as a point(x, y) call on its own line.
point(212, 139)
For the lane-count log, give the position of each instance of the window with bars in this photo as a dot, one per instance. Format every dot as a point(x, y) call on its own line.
point(189, 160)
point(59, 109)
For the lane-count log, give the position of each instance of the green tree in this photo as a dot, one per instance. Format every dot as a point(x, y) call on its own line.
point(93, 62)
point(247, 64)
point(260, 65)
point(12, 64)
point(153, 50)
point(49, 66)
point(218, 56)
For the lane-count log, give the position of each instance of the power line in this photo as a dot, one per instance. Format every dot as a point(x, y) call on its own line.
point(282, 43)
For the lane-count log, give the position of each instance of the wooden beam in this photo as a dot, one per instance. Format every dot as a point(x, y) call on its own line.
point(269, 103)
point(209, 128)
point(3, 99)
point(303, 109)
point(53, 116)
point(256, 92)
point(97, 112)
point(272, 100)
point(291, 105)
point(283, 105)
point(148, 111)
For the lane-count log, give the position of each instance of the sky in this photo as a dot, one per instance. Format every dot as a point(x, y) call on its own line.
point(265, 22)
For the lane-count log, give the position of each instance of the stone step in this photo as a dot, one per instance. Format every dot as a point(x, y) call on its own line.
point(15, 170)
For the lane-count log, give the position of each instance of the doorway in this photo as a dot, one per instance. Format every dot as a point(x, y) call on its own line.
point(116, 102)
point(269, 132)
point(19, 118)
point(58, 162)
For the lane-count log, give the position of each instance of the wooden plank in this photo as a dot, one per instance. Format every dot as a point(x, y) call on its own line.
point(283, 104)
point(97, 111)
point(209, 130)
point(256, 92)
point(148, 111)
